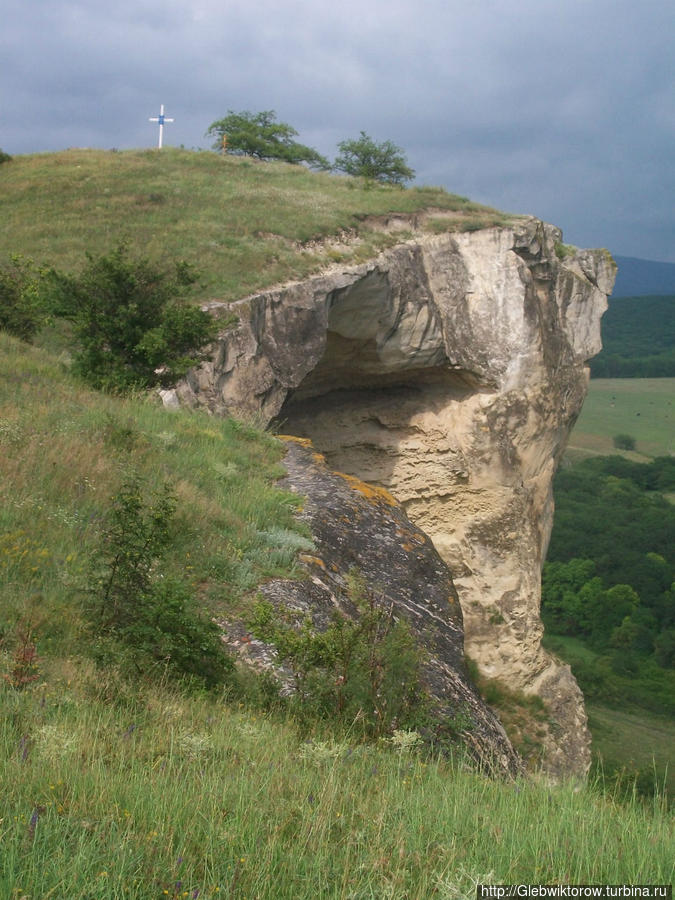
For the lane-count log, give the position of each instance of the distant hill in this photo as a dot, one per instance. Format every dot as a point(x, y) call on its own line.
point(641, 277)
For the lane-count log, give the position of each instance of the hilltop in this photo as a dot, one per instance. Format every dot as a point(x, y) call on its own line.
point(244, 224)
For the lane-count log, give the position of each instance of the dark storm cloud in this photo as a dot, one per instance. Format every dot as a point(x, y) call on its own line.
point(565, 110)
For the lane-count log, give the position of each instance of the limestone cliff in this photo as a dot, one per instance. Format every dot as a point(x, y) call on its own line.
point(449, 370)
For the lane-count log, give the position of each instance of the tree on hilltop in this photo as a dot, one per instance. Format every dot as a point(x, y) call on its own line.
point(261, 136)
point(373, 161)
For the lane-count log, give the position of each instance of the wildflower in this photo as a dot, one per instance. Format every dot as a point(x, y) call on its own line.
point(24, 747)
point(37, 812)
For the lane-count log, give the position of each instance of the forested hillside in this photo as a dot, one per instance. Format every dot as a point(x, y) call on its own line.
point(638, 339)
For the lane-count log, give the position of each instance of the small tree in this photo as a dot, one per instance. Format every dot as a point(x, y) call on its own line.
point(260, 135)
point(383, 162)
point(624, 442)
point(131, 320)
point(138, 615)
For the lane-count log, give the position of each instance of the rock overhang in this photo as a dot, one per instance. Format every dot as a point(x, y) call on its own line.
point(448, 370)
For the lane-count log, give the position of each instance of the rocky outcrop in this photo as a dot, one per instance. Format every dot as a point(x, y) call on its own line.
point(358, 528)
point(449, 370)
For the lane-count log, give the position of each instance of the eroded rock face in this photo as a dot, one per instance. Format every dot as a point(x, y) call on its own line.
point(356, 527)
point(449, 370)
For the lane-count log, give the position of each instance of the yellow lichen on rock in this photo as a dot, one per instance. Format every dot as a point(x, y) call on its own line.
point(291, 438)
point(370, 491)
point(312, 560)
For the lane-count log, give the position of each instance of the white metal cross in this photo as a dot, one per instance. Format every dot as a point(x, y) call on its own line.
point(161, 118)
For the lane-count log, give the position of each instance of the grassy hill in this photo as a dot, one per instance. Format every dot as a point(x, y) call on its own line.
point(244, 224)
point(119, 788)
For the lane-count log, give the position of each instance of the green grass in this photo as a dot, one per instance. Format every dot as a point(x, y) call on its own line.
point(634, 740)
point(64, 450)
point(641, 407)
point(244, 224)
point(149, 795)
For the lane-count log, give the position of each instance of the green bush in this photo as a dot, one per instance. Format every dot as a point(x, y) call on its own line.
point(364, 669)
point(21, 313)
point(4, 157)
point(624, 442)
point(139, 616)
point(131, 321)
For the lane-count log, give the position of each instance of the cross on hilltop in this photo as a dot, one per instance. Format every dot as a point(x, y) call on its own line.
point(161, 119)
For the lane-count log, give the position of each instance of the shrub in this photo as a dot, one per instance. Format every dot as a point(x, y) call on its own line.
point(364, 669)
point(24, 665)
point(624, 442)
point(131, 321)
point(4, 157)
point(139, 615)
point(21, 312)
point(564, 250)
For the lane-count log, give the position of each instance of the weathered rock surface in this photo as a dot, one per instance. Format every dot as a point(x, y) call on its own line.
point(449, 370)
point(357, 527)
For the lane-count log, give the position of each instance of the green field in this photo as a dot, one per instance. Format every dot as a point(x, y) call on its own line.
point(641, 407)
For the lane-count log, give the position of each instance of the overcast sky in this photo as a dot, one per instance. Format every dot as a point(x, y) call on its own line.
point(560, 108)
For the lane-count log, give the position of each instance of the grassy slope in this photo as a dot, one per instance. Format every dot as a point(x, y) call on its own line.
point(154, 796)
point(244, 224)
point(64, 451)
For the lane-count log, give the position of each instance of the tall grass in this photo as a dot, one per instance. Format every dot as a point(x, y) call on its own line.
point(64, 450)
point(149, 795)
